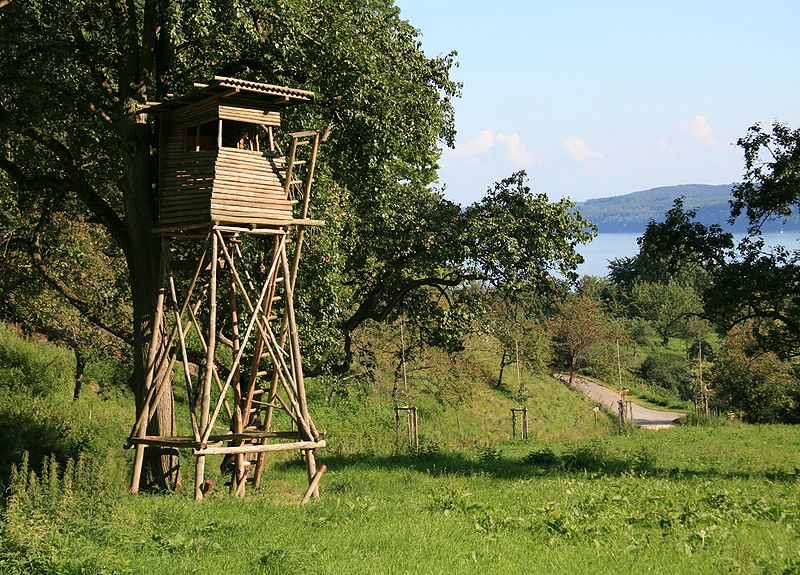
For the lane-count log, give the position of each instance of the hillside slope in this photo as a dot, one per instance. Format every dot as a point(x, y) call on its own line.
point(457, 401)
point(631, 212)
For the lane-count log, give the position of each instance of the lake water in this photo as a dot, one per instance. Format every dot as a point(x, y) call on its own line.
point(607, 247)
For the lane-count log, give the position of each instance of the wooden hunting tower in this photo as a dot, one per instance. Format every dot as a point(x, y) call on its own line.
point(230, 203)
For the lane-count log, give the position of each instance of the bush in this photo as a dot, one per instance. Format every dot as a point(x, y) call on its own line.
point(761, 387)
point(37, 413)
point(668, 372)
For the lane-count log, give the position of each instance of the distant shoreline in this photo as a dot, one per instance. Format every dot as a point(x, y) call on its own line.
point(612, 245)
point(630, 213)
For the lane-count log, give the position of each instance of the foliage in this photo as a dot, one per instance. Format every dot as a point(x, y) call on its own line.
point(516, 237)
point(758, 289)
point(759, 286)
point(676, 249)
point(771, 187)
point(583, 336)
point(37, 412)
point(669, 372)
point(756, 384)
point(667, 308)
point(515, 319)
point(39, 504)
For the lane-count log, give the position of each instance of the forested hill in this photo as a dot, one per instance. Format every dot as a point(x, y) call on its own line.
point(631, 212)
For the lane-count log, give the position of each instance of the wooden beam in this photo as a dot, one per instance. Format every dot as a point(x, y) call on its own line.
point(294, 446)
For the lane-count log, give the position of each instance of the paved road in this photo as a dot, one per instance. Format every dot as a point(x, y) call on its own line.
point(642, 416)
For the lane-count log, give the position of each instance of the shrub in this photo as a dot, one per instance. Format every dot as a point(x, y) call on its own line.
point(668, 372)
point(760, 386)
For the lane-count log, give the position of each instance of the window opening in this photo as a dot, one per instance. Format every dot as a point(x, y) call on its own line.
point(239, 135)
point(202, 137)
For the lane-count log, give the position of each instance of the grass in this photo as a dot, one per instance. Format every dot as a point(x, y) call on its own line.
point(696, 500)
point(573, 499)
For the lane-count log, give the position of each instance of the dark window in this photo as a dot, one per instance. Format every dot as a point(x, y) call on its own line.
point(203, 137)
point(239, 135)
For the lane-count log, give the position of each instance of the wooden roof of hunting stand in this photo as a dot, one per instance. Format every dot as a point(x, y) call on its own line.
point(219, 161)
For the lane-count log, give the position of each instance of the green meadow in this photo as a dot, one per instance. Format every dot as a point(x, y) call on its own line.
point(575, 498)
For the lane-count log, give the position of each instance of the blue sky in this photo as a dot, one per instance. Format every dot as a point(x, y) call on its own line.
point(604, 98)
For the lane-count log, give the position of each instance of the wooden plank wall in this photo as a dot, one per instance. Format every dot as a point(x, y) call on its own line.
point(248, 189)
point(188, 177)
point(229, 185)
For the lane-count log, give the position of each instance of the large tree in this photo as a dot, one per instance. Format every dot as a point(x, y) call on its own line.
point(678, 248)
point(761, 286)
point(75, 74)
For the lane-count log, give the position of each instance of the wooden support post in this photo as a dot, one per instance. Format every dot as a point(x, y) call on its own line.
point(200, 466)
point(416, 428)
point(525, 423)
point(397, 426)
point(173, 334)
point(513, 423)
point(412, 425)
point(151, 360)
point(523, 412)
point(294, 342)
point(312, 488)
point(240, 419)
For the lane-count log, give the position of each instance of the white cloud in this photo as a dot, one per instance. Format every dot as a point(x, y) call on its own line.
point(515, 151)
point(701, 131)
point(580, 151)
point(486, 144)
point(483, 143)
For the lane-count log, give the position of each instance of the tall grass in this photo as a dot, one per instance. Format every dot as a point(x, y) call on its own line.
point(37, 413)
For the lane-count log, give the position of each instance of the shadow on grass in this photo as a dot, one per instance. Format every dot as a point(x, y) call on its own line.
point(592, 459)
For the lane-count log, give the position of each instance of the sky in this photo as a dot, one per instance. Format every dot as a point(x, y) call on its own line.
point(597, 99)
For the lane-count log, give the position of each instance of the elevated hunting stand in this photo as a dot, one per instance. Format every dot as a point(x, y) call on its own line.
point(230, 202)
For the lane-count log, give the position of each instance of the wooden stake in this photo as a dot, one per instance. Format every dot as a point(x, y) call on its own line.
point(525, 423)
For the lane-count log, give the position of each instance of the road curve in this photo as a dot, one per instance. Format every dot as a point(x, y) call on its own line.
point(642, 416)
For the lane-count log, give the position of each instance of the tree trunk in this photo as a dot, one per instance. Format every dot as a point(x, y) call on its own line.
point(502, 367)
point(80, 366)
point(161, 469)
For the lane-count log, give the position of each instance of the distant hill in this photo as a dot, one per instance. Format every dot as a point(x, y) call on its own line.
point(631, 212)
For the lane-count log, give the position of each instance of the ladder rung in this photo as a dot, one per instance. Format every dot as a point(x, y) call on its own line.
point(294, 164)
point(277, 298)
point(258, 391)
point(266, 404)
point(296, 182)
point(260, 374)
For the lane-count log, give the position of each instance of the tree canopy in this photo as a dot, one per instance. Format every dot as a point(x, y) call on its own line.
point(74, 76)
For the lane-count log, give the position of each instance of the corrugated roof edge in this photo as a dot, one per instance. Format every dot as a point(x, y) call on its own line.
point(265, 88)
point(225, 82)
